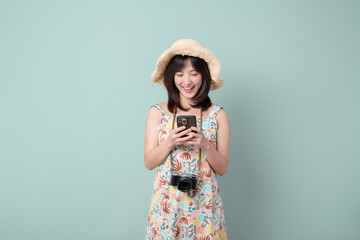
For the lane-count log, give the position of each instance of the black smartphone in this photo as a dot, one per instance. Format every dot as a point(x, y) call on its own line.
point(186, 120)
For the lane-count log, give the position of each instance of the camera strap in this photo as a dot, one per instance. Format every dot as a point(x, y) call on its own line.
point(171, 157)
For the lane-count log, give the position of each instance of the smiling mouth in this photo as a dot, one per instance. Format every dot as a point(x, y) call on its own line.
point(188, 90)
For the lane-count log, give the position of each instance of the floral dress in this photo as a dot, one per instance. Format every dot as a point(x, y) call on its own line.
point(177, 215)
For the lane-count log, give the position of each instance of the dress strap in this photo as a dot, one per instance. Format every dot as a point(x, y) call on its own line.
point(215, 110)
point(158, 107)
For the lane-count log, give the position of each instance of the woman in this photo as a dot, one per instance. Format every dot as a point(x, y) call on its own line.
point(187, 71)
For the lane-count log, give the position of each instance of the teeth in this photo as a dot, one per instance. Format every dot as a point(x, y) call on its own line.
point(188, 88)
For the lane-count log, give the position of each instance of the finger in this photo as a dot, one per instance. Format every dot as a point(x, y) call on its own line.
point(176, 130)
point(187, 137)
point(196, 129)
point(179, 133)
point(184, 139)
point(195, 135)
point(183, 132)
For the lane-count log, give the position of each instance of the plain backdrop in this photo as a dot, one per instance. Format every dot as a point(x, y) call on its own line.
point(75, 91)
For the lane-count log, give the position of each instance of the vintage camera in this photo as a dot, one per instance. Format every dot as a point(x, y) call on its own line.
point(184, 181)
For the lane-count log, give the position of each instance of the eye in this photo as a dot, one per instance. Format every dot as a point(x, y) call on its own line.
point(179, 75)
point(194, 74)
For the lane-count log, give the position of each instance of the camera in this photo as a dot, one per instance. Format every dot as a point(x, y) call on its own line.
point(184, 181)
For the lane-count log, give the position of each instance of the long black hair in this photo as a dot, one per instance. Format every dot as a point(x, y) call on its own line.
point(176, 64)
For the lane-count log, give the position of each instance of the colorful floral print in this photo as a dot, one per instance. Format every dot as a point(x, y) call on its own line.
point(177, 215)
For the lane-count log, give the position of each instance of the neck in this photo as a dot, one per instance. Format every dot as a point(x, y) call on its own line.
point(185, 102)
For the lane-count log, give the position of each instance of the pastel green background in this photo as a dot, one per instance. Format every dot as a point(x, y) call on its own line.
point(75, 91)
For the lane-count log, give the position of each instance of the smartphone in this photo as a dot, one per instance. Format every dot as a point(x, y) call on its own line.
point(186, 120)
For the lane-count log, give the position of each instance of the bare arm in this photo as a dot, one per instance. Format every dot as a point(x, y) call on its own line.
point(219, 158)
point(154, 154)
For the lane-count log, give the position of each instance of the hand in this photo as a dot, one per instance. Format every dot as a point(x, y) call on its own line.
point(175, 138)
point(199, 140)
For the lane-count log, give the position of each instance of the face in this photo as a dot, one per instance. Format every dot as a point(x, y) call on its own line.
point(188, 81)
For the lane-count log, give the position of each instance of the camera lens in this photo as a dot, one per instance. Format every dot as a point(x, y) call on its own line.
point(184, 185)
point(183, 120)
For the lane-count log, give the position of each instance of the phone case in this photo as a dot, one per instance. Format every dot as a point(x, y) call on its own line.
point(187, 121)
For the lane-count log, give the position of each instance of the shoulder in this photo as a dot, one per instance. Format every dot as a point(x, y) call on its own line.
point(154, 112)
point(217, 109)
point(163, 104)
point(221, 113)
point(222, 116)
point(213, 105)
point(156, 106)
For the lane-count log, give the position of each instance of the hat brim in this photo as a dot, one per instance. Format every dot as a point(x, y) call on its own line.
point(191, 50)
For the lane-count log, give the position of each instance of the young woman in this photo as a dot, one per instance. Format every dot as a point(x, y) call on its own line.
point(187, 206)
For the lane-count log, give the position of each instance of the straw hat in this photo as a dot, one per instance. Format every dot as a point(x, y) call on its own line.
point(192, 48)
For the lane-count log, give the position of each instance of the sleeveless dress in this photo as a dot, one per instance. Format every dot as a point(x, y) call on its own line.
point(177, 215)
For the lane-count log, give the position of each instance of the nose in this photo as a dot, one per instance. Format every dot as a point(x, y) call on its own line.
point(187, 80)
